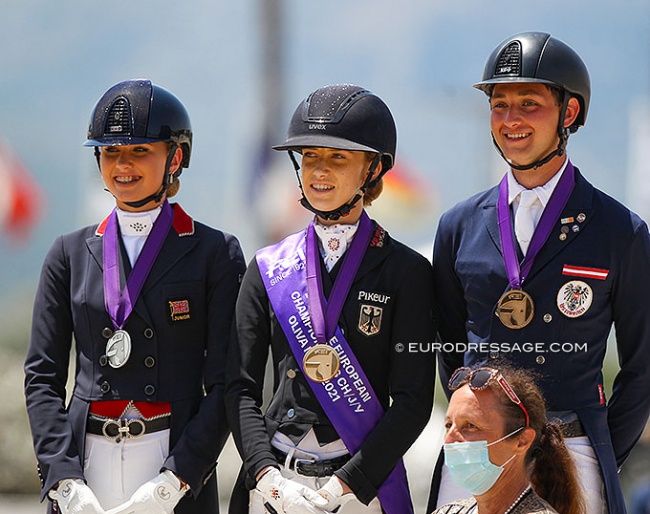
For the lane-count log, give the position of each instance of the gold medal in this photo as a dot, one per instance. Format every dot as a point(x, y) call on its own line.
point(515, 309)
point(321, 363)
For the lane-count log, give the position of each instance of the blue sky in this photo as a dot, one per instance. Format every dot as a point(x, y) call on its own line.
point(420, 56)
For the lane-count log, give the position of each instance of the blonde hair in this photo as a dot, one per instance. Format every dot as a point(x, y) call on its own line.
point(175, 184)
point(172, 189)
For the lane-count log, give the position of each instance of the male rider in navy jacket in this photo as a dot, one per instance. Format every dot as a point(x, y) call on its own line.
point(546, 300)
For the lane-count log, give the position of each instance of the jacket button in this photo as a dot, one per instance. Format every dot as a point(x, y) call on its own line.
point(148, 333)
point(291, 413)
point(149, 390)
point(103, 360)
point(291, 373)
point(548, 318)
point(105, 387)
point(540, 359)
point(107, 333)
point(149, 362)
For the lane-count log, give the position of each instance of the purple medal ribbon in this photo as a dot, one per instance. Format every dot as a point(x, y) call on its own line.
point(324, 315)
point(119, 304)
point(290, 271)
point(517, 273)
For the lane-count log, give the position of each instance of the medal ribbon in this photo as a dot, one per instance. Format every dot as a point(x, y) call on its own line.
point(517, 273)
point(324, 315)
point(119, 304)
point(353, 413)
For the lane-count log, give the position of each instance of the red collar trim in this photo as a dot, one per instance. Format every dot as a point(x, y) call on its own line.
point(183, 222)
point(102, 226)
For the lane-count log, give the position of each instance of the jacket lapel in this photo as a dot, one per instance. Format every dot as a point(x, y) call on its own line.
point(577, 213)
point(94, 245)
point(488, 209)
point(379, 248)
point(176, 246)
point(174, 249)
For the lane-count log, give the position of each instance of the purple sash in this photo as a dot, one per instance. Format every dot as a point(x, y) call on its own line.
point(348, 399)
point(557, 202)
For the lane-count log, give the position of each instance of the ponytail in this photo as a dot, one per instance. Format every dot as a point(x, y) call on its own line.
point(554, 475)
point(551, 468)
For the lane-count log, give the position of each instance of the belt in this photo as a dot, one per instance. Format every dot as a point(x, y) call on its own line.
point(311, 468)
point(572, 429)
point(116, 429)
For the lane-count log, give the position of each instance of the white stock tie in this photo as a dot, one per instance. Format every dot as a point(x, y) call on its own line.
point(334, 241)
point(525, 218)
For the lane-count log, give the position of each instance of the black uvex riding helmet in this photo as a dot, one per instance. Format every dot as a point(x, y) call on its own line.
point(345, 117)
point(539, 57)
point(137, 112)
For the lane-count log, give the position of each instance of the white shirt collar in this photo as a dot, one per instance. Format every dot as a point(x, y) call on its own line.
point(543, 192)
point(137, 223)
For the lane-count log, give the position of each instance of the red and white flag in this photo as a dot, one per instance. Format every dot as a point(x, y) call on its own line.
point(20, 196)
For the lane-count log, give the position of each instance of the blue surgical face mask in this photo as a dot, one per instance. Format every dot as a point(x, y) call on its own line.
point(470, 467)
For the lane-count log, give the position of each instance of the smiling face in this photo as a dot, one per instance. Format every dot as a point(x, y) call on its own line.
point(524, 121)
point(331, 178)
point(133, 172)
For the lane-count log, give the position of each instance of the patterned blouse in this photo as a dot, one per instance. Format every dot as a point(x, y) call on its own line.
point(530, 503)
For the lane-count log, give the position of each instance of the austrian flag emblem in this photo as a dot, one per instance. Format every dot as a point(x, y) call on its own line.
point(584, 272)
point(574, 298)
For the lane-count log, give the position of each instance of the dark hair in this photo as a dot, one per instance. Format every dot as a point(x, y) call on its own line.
point(552, 471)
point(373, 192)
point(557, 92)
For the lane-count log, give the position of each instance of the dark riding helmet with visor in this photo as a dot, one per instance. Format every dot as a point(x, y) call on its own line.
point(138, 112)
point(538, 57)
point(344, 117)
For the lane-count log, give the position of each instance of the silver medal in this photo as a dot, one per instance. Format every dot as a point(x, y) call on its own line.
point(118, 348)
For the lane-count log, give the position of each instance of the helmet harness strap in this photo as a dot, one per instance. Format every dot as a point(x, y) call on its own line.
point(343, 210)
point(563, 136)
point(167, 179)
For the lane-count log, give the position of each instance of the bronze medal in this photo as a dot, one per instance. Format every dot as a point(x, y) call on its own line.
point(321, 363)
point(118, 348)
point(515, 309)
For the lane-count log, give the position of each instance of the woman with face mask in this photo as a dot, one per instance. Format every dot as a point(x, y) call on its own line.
point(500, 447)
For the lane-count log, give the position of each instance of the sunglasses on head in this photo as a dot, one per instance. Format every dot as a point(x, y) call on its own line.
point(478, 379)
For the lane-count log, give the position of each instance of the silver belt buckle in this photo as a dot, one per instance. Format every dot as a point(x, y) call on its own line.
point(123, 429)
point(298, 460)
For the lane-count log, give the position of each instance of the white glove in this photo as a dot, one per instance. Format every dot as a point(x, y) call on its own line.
point(74, 497)
point(332, 491)
point(287, 496)
point(158, 496)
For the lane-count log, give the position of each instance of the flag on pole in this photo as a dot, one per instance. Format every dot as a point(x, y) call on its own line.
point(21, 198)
point(408, 203)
